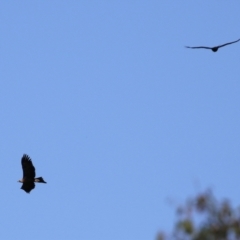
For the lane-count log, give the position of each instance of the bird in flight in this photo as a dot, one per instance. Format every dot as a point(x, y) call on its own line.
point(29, 175)
point(214, 49)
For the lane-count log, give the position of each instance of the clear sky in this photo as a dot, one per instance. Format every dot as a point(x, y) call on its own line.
point(116, 114)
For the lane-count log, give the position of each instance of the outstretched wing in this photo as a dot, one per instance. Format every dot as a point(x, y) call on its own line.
point(199, 47)
point(228, 43)
point(28, 168)
point(28, 186)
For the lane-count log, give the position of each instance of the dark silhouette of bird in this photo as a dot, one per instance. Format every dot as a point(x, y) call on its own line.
point(29, 179)
point(214, 49)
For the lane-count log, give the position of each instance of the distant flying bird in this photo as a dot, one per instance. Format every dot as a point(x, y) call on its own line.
point(29, 174)
point(214, 49)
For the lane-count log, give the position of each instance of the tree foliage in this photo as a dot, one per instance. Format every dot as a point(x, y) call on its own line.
point(205, 218)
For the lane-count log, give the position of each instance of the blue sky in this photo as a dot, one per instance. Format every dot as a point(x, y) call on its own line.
point(117, 116)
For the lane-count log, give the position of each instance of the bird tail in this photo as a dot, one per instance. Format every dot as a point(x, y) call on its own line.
point(40, 180)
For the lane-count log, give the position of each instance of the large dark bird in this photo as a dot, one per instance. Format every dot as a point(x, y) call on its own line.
point(29, 174)
point(214, 49)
